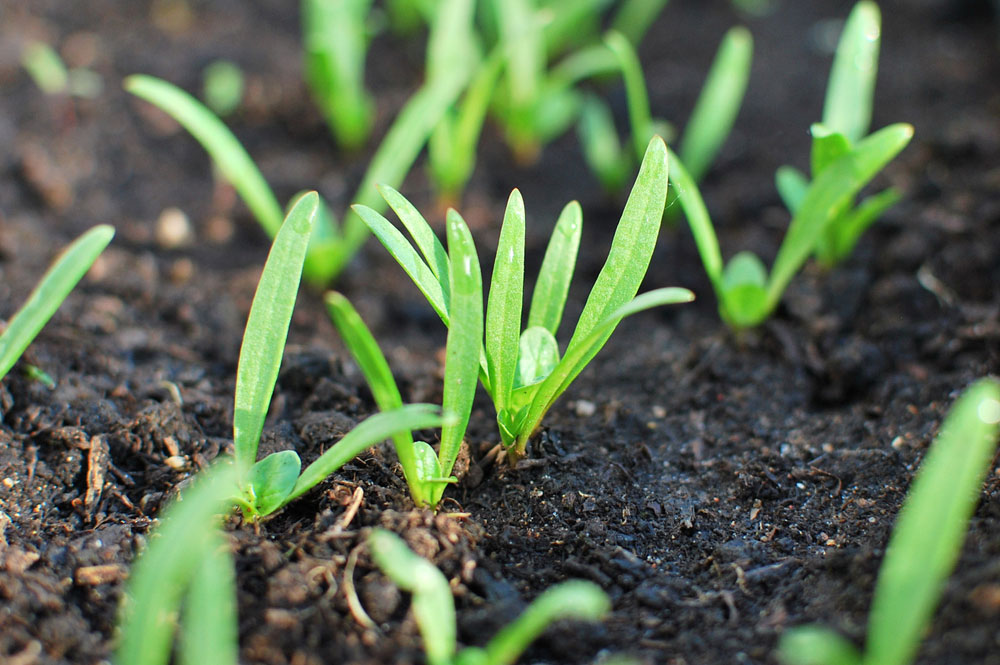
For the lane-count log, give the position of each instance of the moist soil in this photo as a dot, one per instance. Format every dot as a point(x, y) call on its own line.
point(721, 489)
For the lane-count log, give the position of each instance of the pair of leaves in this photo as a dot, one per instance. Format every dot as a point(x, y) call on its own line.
point(434, 609)
point(924, 545)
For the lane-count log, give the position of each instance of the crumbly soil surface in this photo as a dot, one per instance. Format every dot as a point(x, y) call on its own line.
point(720, 489)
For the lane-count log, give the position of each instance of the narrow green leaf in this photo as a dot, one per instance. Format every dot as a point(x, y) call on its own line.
point(827, 146)
point(366, 352)
point(578, 355)
point(209, 630)
point(433, 606)
point(851, 89)
point(453, 46)
point(368, 432)
point(837, 184)
point(423, 235)
point(503, 310)
point(745, 297)
point(815, 645)
point(931, 526)
point(792, 186)
point(164, 570)
point(719, 102)
point(556, 273)
point(850, 227)
point(575, 599)
point(45, 67)
point(67, 270)
point(465, 339)
point(601, 147)
point(700, 223)
point(267, 328)
point(635, 94)
point(270, 481)
point(408, 259)
point(632, 246)
point(537, 356)
point(225, 150)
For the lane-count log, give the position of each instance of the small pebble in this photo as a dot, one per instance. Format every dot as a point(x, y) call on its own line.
point(175, 462)
point(173, 229)
point(585, 409)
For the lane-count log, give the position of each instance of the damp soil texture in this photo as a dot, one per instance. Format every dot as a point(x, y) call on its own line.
point(720, 489)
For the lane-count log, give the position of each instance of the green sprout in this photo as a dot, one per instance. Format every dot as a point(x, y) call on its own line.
point(434, 609)
point(747, 294)
point(522, 370)
point(332, 245)
point(222, 87)
point(271, 483)
point(847, 114)
point(52, 77)
point(335, 40)
point(68, 269)
point(185, 579)
point(924, 545)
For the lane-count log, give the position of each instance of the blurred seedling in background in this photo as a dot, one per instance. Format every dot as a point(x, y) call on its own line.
point(847, 114)
point(924, 545)
point(52, 77)
point(522, 370)
point(67, 270)
point(434, 609)
point(332, 244)
point(222, 87)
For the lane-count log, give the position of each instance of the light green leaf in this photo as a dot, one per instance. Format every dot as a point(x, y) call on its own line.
point(601, 147)
point(554, 277)
point(267, 327)
point(423, 235)
point(850, 227)
point(700, 223)
point(815, 645)
point(225, 150)
point(465, 340)
point(632, 246)
point(503, 310)
point(67, 270)
point(432, 604)
point(209, 627)
point(792, 186)
point(538, 355)
point(827, 146)
point(575, 599)
point(636, 95)
point(453, 46)
point(719, 102)
point(368, 432)
point(744, 268)
point(931, 526)
point(851, 89)
point(270, 481)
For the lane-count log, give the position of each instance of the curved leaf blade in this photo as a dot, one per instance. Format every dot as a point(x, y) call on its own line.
point(503, 309)
point(556, 273)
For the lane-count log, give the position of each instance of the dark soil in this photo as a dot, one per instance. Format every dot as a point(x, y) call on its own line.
point(720, 489)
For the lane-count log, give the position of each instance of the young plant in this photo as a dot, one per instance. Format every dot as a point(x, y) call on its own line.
point(222, 87)
point(185, 580)
point(522, 370)
point(746, 292)
point(335, 40)
point(434, 609)
point(332, 244)
point(68, 269)
point(52, 77)
point(274, 481)
point(847, 115)
point(924, 544)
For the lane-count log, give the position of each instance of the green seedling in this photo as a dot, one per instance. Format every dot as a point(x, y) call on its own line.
point(52, 77)
point(847, 115)
point(274, 481)
point(710, 123)
point(924, 544)
point(68, 269)
point(746, 292)
point(222, 87)
point(434, 609)
point(332, 244)
point(185, 580)
point(335, 39)
point(523, 371)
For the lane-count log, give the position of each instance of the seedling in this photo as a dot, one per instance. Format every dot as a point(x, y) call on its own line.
point(847, 115)
point(746, 292)
point(222, 87)
point(274, 481)
point(185, 579)
point(332, 245)
point(335, 39)
point(523, 371)
point(52, 77)
point(68, 269)
point(924, 545)
point(434, 609)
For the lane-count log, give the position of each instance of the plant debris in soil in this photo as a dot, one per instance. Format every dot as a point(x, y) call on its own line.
point(719, 489)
